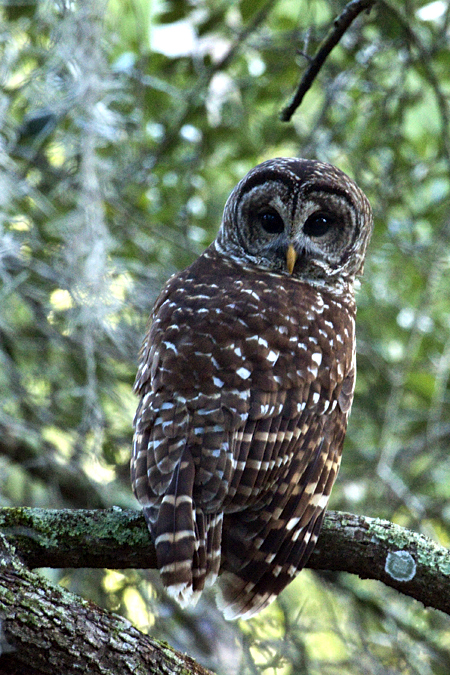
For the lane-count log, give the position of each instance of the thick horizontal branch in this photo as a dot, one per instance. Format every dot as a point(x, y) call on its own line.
point(367, 547)
point(340, 25)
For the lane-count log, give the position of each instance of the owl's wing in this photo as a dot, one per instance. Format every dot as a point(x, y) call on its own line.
point(287, 464)
point(271, 476)
point(241, 413)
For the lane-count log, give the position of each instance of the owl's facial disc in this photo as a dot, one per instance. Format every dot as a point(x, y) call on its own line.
point(298, 217)
point(281, 232)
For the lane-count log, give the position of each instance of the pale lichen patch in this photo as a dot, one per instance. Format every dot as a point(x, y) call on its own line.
point(400, 565)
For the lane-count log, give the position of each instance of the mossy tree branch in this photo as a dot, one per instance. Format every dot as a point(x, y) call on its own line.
point(371, 548)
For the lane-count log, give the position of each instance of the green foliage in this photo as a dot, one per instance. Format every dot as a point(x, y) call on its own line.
point(119, 144)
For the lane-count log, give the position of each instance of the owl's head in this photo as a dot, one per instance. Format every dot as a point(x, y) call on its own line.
point(298, 217)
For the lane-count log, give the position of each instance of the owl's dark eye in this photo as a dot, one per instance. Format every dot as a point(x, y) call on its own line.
point(270, 221)
point(318, 224)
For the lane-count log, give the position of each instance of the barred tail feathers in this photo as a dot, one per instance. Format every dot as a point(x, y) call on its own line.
point(187, 540)
point(244, 593)
point(263, 555)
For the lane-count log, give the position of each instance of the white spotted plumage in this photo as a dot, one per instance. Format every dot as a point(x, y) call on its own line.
point(246, 381)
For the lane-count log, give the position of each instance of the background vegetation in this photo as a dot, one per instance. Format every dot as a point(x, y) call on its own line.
point(123, 127)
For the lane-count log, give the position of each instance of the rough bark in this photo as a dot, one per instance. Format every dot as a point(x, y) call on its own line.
point(45, 629)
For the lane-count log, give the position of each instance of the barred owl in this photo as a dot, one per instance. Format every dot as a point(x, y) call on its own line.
point(246, 381)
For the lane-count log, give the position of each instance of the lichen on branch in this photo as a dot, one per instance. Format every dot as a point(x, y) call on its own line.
point(119, 539)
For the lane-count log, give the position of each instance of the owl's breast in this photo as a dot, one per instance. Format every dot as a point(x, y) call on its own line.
point(235, 332)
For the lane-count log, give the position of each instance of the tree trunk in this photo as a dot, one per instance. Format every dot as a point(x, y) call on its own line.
point(45, 629)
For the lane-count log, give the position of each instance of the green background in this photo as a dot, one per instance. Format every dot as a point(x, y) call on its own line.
point(119, 144)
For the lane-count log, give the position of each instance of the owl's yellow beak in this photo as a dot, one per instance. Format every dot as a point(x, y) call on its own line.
point(291, 257)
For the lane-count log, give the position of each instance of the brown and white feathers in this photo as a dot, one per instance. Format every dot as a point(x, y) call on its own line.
point(246, 381)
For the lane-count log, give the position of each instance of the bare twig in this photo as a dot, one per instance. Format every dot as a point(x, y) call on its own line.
point(340, 25)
